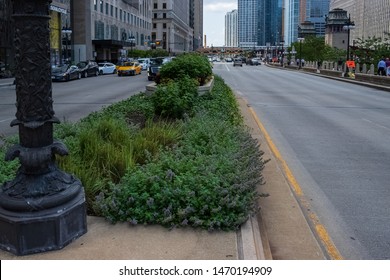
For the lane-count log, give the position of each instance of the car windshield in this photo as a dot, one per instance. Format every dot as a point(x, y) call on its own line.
point(129, 64)
point(156, 61)
point(81, 64)
point(60, 69)
point(101, 64)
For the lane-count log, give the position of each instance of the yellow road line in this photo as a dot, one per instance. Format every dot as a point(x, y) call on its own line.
point(320, 229)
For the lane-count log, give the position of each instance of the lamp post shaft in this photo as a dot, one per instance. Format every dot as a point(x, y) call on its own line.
point(43, 208)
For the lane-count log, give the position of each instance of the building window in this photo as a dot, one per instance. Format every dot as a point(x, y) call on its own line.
point(95, 4)
point(154, 5)
point(155, 15)
point(164, 15)
point(164, 5)
point(107, 8)
point(154, 25)
point(164, 25)
point(116, 12)
point(112, 10)
point(101, 6)
point(99, 30)
point(120, 14)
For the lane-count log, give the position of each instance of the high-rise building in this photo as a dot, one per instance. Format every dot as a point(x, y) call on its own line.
point(248, 13)
point(107, 29)
point(291, 20)
point(231, 29)
point(174, 24)
point(316, 11)
point(371, 18)
point(197, 11)
point(270, 19)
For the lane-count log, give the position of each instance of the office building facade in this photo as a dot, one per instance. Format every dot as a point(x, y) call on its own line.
point(177, 25)
point(371, 18)
point(248, 13)
point(316, 12)
point(231, 29)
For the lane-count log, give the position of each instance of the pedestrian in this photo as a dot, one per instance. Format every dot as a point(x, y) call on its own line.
point(387, 66)
point(382, 67)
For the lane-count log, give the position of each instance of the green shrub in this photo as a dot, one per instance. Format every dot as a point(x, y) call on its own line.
point(195, 66)
point(176, 98)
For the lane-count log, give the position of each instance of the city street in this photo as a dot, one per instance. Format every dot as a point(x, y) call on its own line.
point(76, 99)
point(333, 136)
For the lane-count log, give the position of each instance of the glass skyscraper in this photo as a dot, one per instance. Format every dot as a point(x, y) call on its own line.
point(247, 23)
point(259, 22)
point(316, 12)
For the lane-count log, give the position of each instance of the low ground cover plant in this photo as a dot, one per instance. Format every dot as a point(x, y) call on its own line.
point(140, 166)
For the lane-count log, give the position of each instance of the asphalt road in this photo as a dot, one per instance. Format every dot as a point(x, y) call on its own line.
point(334, 137)
point(76, 99)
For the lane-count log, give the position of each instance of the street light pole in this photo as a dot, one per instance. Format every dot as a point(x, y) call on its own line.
point(348, 26)
point(300, 52)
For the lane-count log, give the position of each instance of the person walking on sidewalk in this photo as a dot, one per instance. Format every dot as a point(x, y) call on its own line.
point(382, 67)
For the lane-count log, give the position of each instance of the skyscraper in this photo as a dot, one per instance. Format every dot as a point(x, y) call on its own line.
point(270, 20)
point(231, 29)
point(291, 20)
point(371, 18)
point(248, 12)
point(316, 11)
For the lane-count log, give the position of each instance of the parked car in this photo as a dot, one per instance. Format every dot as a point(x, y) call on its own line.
point(130, 69)
point(88, 68)
point(107, 68)
point(228, 59)
point(144, 62)
point(237, 62)
point(65, 73)
point(154, 67)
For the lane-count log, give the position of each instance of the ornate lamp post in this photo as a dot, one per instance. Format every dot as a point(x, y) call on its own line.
point(300, 51)
point(132, 43)
point(348, 26)
point(43, 208)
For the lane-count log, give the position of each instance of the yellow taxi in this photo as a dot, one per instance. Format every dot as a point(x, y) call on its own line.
point(129, 69)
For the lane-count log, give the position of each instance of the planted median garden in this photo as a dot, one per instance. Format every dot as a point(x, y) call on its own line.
point(172, 158)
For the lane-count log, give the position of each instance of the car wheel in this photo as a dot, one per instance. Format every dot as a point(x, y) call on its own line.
point(85, 74)
point(97, 73)
point(79, 76)
point(114, 71)
point(101, 72)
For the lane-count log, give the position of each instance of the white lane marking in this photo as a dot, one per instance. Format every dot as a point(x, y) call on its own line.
point(378, 125)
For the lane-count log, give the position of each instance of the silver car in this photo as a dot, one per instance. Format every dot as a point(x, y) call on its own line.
point(237, 62)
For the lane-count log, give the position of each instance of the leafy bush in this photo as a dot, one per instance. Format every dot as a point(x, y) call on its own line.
point(200, 172)
point(207, 180)
point(175, 98)
point(195, 66)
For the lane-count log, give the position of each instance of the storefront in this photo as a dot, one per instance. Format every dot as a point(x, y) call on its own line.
point(58, 11)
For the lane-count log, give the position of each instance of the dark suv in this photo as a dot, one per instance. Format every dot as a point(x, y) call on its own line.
point(88, 68)
point(154, 67)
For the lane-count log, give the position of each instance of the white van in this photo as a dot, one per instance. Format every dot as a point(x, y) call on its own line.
point(145, 62)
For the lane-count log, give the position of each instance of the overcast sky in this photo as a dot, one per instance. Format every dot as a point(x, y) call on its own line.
point(214, 12)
